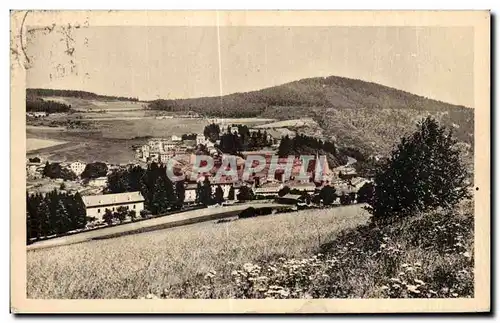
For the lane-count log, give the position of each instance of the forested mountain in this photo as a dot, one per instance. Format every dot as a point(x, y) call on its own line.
point(364, 114)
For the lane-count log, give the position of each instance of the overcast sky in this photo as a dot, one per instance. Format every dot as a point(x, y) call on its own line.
point(182, 62)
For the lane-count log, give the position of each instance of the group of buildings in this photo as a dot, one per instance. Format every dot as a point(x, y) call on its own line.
point(162, 149)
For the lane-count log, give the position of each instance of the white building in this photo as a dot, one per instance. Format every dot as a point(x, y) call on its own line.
point(77, 167)
point(201, 140)
point(98, 182)
point(36, 114)
point(190, 193)
point(176, 138)
point(96, 205)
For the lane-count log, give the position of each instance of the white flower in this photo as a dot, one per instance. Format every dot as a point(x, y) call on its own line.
point(418, 281)
point(413, 289)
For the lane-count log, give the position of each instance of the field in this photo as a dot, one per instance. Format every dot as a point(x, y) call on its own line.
point(36, 143)
point(288, 123)
point(170, 221)
point(135, 265)
point(114, 127)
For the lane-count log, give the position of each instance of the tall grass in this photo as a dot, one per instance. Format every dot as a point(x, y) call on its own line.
point(135, 265)
point(334, 253)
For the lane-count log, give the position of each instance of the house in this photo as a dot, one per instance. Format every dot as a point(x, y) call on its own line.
point(36, 114)
point(234, 129)
point(176, 138)
point(164, 157)
point(98, 182)
point(34, 171)
point(346, 172)
point(303, 187)
point(201, 140)
point(358, 182)
point(268, 190)
point(169, 146)
point(190, 193)
point(189, 143)
point(77, 167)
point(96, 205)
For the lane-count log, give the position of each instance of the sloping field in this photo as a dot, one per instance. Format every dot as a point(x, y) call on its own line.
point(169, 221)
point(288, 123)
point(37, 143)
point(134, 265)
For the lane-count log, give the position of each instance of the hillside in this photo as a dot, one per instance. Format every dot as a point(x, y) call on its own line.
point(37, 93)
point(367, 115)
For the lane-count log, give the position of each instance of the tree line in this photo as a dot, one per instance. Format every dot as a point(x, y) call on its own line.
point(40, 105)
point(54, 213)
point(91, 171)
point(234, 142)
point(76, 94)
point(160, 193)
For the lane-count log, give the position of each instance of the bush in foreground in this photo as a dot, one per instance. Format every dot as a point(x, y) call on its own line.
point(424, 172)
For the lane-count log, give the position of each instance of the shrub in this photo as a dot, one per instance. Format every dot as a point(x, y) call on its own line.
point(366, 192)
point(108, 217)
point(245, 194)
point(132, 215)
point(424, 172)
point(284, 191)
point(327, 195)
point(145, 213)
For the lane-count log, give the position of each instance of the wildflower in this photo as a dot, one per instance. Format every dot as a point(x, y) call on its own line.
point(401, 274)
point(454, 294)
point(284, 293)
point(404, 265)
point(395, 280)
point(418, 264)
point(275, 287)
point(413, 289)
point(418, 281)
point(209, 275)
point(151, 296)
point(466, 254)
point(383, 245)
point(384, 287)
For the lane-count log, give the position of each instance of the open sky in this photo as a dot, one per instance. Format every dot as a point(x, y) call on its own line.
point(182, 62)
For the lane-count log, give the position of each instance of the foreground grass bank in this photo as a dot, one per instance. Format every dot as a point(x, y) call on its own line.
point(331, 253)
point(135, 265)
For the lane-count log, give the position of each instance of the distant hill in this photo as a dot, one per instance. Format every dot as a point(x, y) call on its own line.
point(32, 94)
point(369, 116)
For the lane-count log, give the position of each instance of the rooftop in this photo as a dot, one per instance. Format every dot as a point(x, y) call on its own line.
point(109, 199)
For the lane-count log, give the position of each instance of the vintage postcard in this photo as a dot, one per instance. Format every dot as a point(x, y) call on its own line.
point(250, 161)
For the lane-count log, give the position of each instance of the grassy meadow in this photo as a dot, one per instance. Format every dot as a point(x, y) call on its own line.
point(136, 265)
point(329, 253)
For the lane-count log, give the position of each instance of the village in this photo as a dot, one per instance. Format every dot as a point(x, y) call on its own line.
point(90, 180)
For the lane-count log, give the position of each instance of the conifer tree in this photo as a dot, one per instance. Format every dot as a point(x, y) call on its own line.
point(424, 172)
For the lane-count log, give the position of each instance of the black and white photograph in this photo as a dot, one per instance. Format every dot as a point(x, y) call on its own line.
point(233, 155)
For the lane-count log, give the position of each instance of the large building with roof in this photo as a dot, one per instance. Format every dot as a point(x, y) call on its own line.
point(96, 205)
